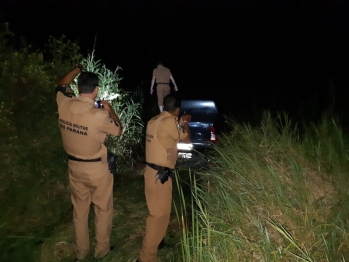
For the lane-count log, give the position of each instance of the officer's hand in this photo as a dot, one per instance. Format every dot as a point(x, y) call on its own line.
point(106, 105)
point(151, 91)
point(79, 65)
point(176, 88)
point(185, 118)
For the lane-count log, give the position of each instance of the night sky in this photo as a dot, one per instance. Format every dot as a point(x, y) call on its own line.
point(273, 55)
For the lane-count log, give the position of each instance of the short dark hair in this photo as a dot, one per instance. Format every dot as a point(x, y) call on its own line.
point(87, 82)
point(171, 103)
point(160, 63)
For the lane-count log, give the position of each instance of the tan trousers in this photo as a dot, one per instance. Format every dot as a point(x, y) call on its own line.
point(162, 91)
point(159, 199)
point(91, 182)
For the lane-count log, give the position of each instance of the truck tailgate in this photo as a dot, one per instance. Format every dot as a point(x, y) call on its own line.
point(200, 131)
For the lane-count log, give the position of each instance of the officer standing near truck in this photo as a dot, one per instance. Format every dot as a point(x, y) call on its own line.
point(163, 133)
point(162, 76)
point(83, 129)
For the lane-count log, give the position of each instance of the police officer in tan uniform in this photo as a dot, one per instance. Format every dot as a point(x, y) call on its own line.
point(163, 133)
point(162, 76)
point(83, 129)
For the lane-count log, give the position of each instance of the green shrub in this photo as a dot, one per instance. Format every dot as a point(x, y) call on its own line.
point(33, 177)
point(270, 196)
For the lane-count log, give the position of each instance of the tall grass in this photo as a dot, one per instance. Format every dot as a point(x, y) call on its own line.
point(272, 195)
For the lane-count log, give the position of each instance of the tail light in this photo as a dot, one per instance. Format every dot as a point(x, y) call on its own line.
point(213, 134)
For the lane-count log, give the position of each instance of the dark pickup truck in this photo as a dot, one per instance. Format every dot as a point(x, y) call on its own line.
point(205, 123)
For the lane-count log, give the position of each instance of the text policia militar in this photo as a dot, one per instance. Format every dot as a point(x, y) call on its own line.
point(72, 127)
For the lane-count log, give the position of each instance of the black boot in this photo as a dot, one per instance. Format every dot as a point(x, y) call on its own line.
point(162, 245)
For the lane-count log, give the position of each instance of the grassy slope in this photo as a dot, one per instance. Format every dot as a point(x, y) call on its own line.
point(260, 176)
point(273, 196)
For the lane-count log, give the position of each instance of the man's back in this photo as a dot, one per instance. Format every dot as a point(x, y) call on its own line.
point(84, 127)
point(162, 74)
point(161, 140)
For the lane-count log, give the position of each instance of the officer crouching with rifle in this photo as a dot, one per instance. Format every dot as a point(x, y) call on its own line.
point(163, 133)
point(84, 125)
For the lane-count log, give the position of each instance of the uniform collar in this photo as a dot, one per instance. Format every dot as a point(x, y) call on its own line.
point(165, 113)
point(85, 99)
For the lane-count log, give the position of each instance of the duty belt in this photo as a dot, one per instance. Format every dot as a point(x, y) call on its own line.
point(156, 167)
point(84, 160)
point(163, 83)
point(163, 173)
